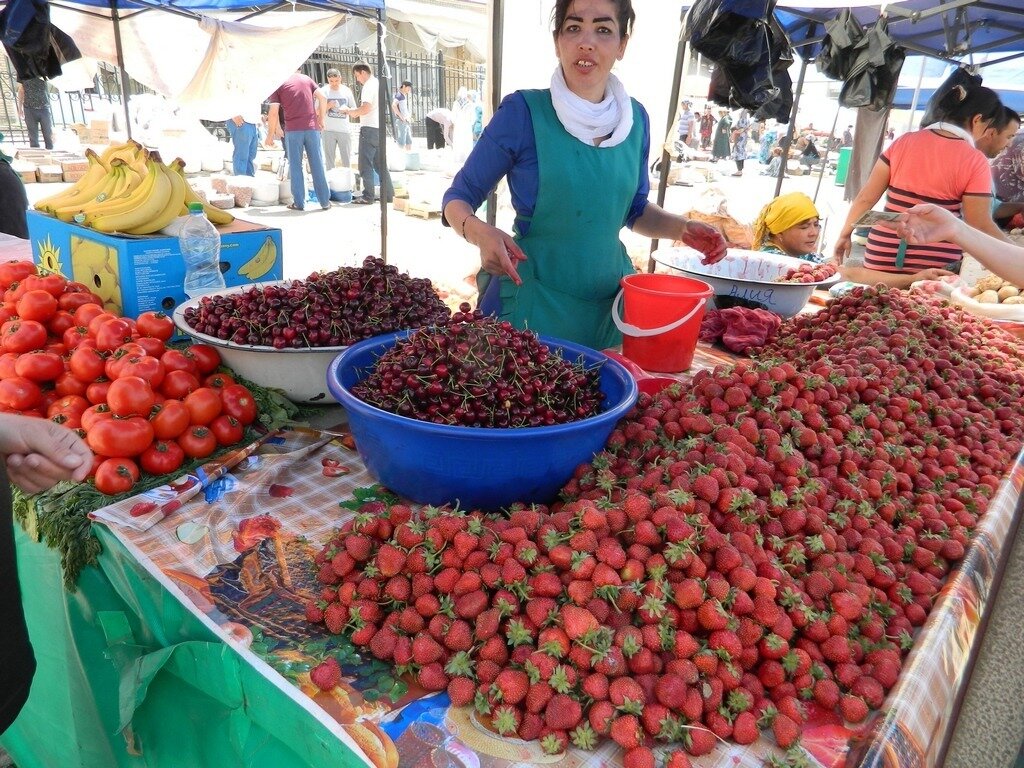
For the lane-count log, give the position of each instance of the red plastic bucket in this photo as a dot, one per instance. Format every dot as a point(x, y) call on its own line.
point(661, 316)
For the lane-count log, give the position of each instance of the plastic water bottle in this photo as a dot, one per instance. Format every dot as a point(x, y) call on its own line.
point(200, 248)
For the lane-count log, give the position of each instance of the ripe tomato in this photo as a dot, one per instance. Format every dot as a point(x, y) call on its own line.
point(71, 421)
point(52, 284)
point(97, 391)
point(85, 313)
point(86, 363)
point(8, 360)
point(162, 457)
point(19, 393)
point(74, 336)
point(95, 413)
point(37, 305)
point(115, 362)
point(218, 380)
point(207, 358)
point(169, 419)
point(7, 312)
point(238, 402)
point(68, 384)
point(156, 325)
point(147, 368)
point(120, 437)
point(72, 300)
point(112, 333)
point(203, 405)
point(154, 347)
point(177, 383)
point(49, 398)
point(22, 335)
point(68, 404)
point(130, 396)
point(116, 476)
point(197, 442)
point(39, 366)
point(60, 322)
point(227, 429)
point(176, 360)
point(15, 271)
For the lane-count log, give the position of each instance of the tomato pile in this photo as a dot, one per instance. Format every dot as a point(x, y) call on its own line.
point(759, 542)
point(326, 309)
point(136, 403)
point(480, 372)
point(808, 273)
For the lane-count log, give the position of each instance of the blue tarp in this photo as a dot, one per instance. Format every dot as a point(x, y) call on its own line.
point(1004, 77)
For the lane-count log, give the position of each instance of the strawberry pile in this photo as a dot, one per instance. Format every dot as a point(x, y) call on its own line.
point(760, 541)
point(808, 273)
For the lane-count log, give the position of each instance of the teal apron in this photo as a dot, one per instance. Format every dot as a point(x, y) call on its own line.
point(574, 256)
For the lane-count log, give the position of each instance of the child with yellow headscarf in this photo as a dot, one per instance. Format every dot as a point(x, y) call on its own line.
point(789, 225)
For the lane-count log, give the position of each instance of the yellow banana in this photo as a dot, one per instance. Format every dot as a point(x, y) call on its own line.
point(128, 151)
point(261, 263)
point(171, 209)
point(95, 172)
point(148, 207)
point(117, 205)
point(217, 215)
point(102, 192)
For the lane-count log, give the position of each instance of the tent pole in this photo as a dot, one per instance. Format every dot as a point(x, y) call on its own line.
point(382, 114)
point(792, 125)
point(917, 95)
point(122, 76)
point(824, 158)
point(682, 59)
point(497, 36)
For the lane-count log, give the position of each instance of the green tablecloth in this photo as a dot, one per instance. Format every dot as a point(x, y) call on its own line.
point(123, 649)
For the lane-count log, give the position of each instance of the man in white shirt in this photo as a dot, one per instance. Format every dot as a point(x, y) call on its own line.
point(336, 137)
point(439, 123)
point(369, 137)
point(403, 116)
point(245, 139)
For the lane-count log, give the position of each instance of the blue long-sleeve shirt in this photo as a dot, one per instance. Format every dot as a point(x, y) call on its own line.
point(508, 147)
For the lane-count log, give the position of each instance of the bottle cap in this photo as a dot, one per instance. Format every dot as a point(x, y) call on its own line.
point(196, 206)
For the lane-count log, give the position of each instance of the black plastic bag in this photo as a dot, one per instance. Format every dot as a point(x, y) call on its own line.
point(729, 31)
point(960, 76)
point(838, 51)
point(872, 78)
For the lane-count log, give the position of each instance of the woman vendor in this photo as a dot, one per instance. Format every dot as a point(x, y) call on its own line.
point(576, 160)
point(720, 149)
point(789, 225)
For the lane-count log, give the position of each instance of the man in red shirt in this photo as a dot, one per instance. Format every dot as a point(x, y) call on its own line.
point(302, 104)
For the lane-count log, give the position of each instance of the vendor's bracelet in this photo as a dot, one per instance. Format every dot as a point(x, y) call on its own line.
point(471, 216)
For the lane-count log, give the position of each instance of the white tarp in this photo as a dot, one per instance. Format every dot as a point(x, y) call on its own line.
point(444, 27)
point(214, 68)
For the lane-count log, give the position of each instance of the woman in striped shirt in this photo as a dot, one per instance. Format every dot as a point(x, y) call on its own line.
point(938, 164)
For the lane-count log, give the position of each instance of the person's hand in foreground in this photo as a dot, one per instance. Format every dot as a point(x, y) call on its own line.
point(927, 223)
point(499, 254)
point(39, 453)
point(706, 239)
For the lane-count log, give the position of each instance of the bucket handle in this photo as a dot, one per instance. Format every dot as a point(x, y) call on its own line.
point(632, 330)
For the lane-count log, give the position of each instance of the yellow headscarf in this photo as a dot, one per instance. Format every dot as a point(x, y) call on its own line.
point(780, 214)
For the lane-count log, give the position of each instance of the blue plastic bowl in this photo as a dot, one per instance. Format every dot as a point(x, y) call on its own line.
point(475, 467)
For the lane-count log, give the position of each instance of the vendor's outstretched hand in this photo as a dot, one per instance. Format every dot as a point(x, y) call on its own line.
point(927, 223)
point(499, 254)
point(706, 239)
point(40, 453)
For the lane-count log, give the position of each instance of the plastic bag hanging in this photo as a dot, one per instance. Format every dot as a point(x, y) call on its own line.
point(839, 48)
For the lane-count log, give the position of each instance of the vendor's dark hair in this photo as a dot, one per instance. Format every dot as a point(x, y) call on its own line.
point(961, 104)
point(1010, 115)
point(360, 67)
point(624, 14)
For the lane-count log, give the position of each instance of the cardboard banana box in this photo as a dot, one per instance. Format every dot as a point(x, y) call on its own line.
point(137, 274)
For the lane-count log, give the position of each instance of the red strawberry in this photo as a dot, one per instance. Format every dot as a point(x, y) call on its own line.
point(314, 613)
point(359, 547)
point(563, 713)
point(853, 709)
point(459, 636)
point(335, 617)
point(678, 759)
point(638, 757)
point(486, 624)
point(537, 697)
point(577, 621)
point(744, 728)
point(600, 716)
point(511, 686)
point(471, 605)
point(785, 730)
point(432, 677)
point(826, 693)
point(700, 741)
point(383, 643)
point(390, 560)
point(426, 650)
point(326, 675)
point(461, 691)
point(626, 731)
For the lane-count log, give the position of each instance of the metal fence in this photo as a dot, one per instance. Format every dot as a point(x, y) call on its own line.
point(435, 79)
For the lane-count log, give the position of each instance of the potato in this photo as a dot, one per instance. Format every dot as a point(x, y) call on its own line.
point(1007, 292)
point(989, 283)
point(1014, 300)
point(971, 291)
point(987, 297)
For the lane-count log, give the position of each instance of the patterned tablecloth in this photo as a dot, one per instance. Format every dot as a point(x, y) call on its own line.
point(235, 544)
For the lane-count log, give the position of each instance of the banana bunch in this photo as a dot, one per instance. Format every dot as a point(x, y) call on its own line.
point(115, 173)
point(218, 216)
point(147, 207)
point(260, 264)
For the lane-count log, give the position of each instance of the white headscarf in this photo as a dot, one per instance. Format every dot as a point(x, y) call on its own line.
point(588, 121)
